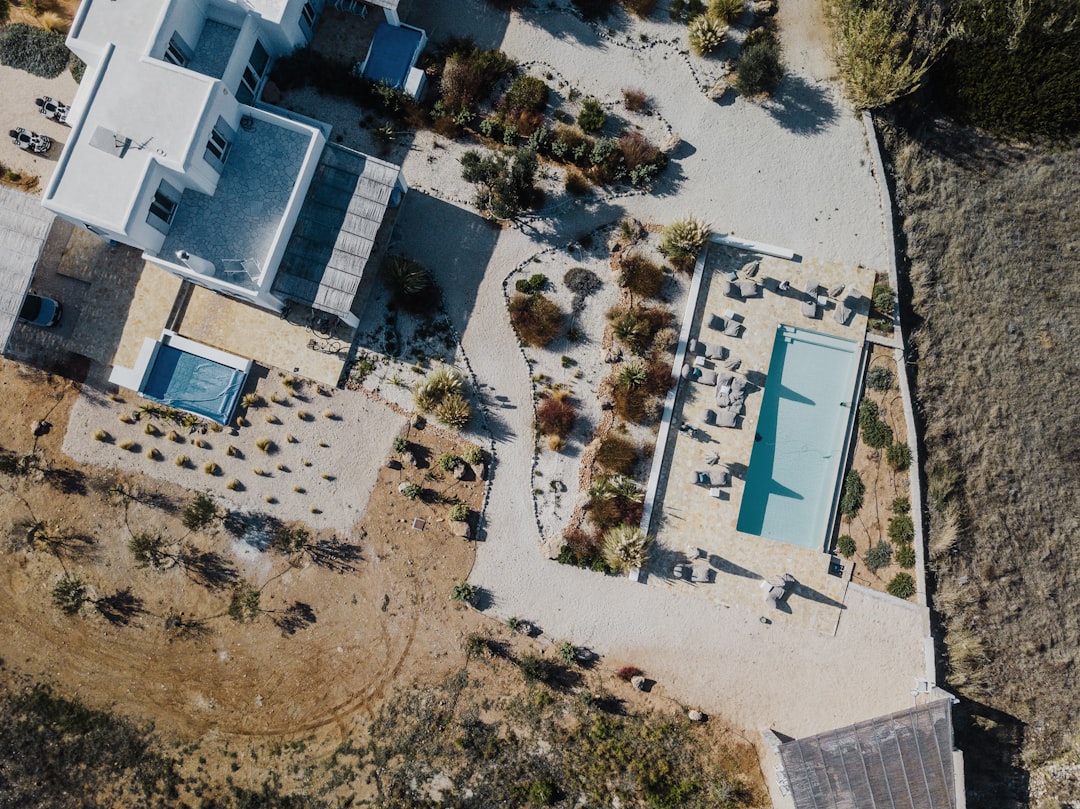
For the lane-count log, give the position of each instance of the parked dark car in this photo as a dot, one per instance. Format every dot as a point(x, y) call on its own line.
point(39, 310)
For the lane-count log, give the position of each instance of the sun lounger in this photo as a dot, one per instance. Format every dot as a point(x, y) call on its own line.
point(707, 350)
point(748, 288)
point(732, 362)
point(724, 380)
point(703, 479)
point(750, 269)
point(836, 291)
point(727, 418)
point(842, 314)
point(809, 307)
point(699, 573)
point(703, 376)
point(732, 328)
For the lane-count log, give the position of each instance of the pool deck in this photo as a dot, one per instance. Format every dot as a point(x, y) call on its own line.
point(686, 516)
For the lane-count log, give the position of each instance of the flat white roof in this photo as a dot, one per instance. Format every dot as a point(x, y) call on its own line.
point(128, 23)
point(270, 10)
point(143, 110)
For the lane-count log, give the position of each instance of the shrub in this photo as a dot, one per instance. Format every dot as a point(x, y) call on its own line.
point(130, 446)
point(266, 445)
point(681, 241)
point(581, 281)
point(252, 400)
point(567, 653)
point(473, 455)
point(401, 444)
point(851, 498)
point(898, 456)
point(536, 282)
point(101, 435)
point(575, 182)
point(182, 461)
point(878, 556)
point(631, 375)
point(845, 546)
point(760, 66)
point(901, 528)
point(706, 34)
point(69, 594)
point(212, 469)
point(453, 411)
point(463, 591)
point(905, 556)
point(879, 54)
point(877, 434)
point(592, 115)
point(412, 491)
point(5, 12)
point(459, 512)
point(617, 454)
point(901, 505)
point(635, 99)
point(504, 186)
point(868, 412)
point(726, 10)
point(411, 284)
point(536, 318)
point(556, 415)
point(470, 74)
point(628, 673)
point(199, 513)
point(244, 603)
point(879, 378)
point(77, 68)
point(625, 547)
point(535, 668)
point(640, 275)
point(448, 462)
point(35, 50)
point(436, 386)
point(542, 792)
point(640, 8)
point(902, 585)
point(526, 93)
point(884, 300)
point(153, 454)
point(173, 436)
point(635, 405)
point(637, 151)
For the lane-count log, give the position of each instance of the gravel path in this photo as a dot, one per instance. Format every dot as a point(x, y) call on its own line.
point(794, 173)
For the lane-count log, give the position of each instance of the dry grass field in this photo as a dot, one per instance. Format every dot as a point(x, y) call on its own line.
point(992, 235)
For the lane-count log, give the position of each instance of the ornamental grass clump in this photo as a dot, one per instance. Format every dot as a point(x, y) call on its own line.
point(537, 319)
point(706, 34)
point(682, 240)
point(556, 414)
point(625, 547)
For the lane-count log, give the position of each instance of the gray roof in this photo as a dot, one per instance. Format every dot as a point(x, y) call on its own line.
point(900, 761)
point(335, 232)
point(24, 224)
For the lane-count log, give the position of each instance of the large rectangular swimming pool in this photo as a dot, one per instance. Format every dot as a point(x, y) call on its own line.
point(798, 450)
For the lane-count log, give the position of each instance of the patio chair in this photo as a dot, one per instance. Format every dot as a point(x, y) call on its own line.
point(727, 418)
point(710, 419)
point(706, 350)
point(750, 268)
point(809, 307)
point(842, 314)
point(704, 376)
point(699, 574)
point(703, 479)
point(721, 478)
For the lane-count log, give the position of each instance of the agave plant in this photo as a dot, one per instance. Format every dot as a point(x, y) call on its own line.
point(405, 276)
point(453, 411)
point(706, 34)
point(629, 330)
point(632, 375)
point(625, 547)
point(610, 486)
point(445, 380)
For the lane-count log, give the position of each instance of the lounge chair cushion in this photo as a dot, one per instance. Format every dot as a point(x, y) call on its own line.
point(836, 291)
point(842, 314)
point(721, 478)
point(732, 329)
point(731, 290)
point(738, 385)
point(748, 288)
point(704, 376)
point(809, 308)
point(732, 363)
point(812, 288)
point(725, 380)
point(727, 418)
point(750, 268)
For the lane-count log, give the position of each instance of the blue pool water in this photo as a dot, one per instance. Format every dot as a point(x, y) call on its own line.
point(196, 384)
point(391, 54)
point(795, 463)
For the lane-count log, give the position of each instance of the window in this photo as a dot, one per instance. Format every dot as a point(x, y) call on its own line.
point(253, 73)
point(217, 146)
point(163, 207)
point(176, 52)
point(307, 15)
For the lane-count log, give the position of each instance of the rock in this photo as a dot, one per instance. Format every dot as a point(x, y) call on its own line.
point(638, 682)
point(401, 487)
point(719, 90)
point(695, 715)
point(463, 471)
point(461, 529)
point(607, 404)
point(40, 428)
point(393, 463)
point(409, 458)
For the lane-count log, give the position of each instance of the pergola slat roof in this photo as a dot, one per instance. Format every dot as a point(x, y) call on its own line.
point(24, 225)
point(900, 761)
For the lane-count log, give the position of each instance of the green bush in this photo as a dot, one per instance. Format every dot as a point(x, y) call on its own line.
point(898, 456)
point(592, 115)
point(902, 585)
point(851, 499)
point(448, 462)
point(726, 10)
point(473, 455)
point(35, 50)
point(504, 186)
point(845, 546)
point(401, 444)
point(880, 379)
point(760, 66)
point(470, 74)
point(77, 68)
point(199, 513)
point(901, 528)
point(463, 591)
point(459, 512)
point(537, 282)
point(901, 505)
point(868, 412)
point(526, 93)
point(905, 556)
point(412, 491)
point(884, 300)
point(535, 668)
point(878, 557)
point(877, 434)
point(541, 793)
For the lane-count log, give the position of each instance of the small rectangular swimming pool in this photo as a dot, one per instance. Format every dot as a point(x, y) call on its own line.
point(798, 450)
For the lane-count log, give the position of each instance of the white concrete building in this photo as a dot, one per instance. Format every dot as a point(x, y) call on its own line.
point(172, 152)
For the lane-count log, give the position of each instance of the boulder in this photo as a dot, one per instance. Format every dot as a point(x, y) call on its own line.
point(460, 529)
point(638, 682)
point(463, 472)
point(695, 715)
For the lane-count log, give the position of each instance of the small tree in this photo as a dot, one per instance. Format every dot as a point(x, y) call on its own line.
point(199, 513)
point(902, 585)
point(463, 591)
point(69, 594)
point(592, 115)
point(244, 604)
point(878, 557)
point(845, 546)
point(898, 456)
point(877, 434)
point(760, 66)
point(290, 539)
point(851, 499)
point(149, 550)
point(504, 186)
point(567, 653)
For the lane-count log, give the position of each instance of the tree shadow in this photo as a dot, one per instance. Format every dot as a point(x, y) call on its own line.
point(801, 107)
point(295, 617)
point(208, 568)
point(335, 555)
point(254, 528)
point(120, 607)
point(67, 481)
point(178, 625)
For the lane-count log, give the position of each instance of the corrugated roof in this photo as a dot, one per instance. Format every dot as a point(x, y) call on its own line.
point(335, 232)
point(24, 225)
point(900, 761)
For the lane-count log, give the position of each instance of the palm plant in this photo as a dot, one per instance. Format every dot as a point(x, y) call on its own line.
point(632, 375)
point(625, 547)
point(706, 34)
point(405, 276)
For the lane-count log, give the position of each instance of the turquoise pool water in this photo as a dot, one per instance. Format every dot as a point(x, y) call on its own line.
point(795, 463)
point(196, 384)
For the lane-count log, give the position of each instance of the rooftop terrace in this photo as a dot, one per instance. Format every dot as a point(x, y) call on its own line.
point(214, 49)
point(240, 222)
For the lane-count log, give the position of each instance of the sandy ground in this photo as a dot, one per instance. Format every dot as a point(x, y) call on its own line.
point(795, 173)
point(18, 90)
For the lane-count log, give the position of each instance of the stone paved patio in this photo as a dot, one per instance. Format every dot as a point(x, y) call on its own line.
point(687, 515)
